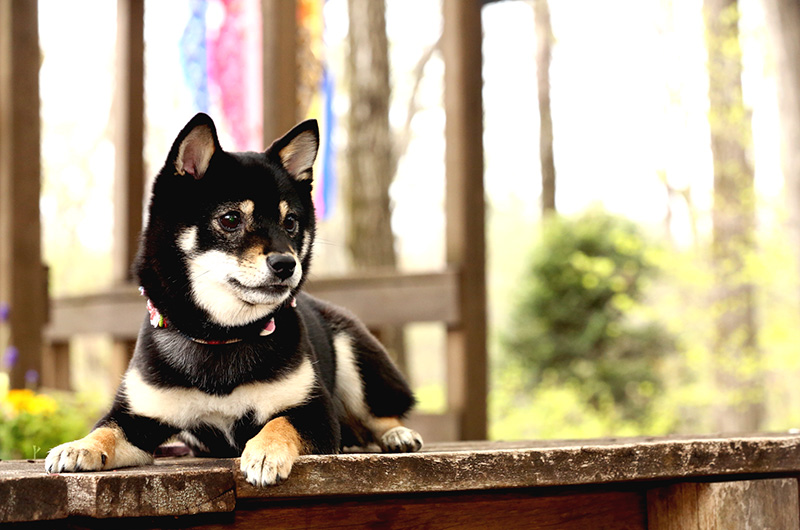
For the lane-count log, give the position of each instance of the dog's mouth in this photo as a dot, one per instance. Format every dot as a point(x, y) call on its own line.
point(270, 293)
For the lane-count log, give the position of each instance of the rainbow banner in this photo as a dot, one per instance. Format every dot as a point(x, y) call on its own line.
point(220, 53)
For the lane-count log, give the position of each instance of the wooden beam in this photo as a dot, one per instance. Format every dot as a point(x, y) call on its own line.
point(466, 246)
point(377, 300)
point(129, 136)
point(768, 503)
point(22, 275)
point(279, 35)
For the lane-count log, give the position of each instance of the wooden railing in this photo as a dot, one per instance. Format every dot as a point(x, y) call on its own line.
point(379, 300)
point(647, 483)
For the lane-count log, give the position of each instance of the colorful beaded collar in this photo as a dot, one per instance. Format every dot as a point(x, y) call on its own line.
point(157, 320)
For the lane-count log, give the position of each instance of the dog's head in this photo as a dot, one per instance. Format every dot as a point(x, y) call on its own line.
point(229, 235)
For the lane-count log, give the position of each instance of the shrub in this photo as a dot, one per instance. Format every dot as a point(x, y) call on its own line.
point(33, 423)
point(577, 321)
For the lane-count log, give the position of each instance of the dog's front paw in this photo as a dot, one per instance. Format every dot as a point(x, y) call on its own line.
point(401, 440)
point(80, 455)
point(265, 463)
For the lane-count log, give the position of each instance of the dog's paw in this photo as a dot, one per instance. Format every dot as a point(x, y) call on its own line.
point(401, 440)
point(267, 463)
point(80, 455)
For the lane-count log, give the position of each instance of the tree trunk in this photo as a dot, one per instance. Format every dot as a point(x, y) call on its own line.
point(783, 21)
point(370, 157)
point(544, 46)
point(735, 343)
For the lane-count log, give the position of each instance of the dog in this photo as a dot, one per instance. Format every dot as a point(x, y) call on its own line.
point(233, 358)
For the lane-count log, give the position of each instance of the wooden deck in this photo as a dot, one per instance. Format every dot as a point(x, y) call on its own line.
point(647, 483)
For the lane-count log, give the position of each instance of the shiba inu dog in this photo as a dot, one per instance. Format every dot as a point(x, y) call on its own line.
point(233, 358)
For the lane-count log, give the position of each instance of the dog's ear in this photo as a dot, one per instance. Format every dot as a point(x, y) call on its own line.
point(195, 145)
point(297, 150)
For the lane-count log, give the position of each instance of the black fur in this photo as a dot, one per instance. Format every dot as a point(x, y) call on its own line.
point(196, 198)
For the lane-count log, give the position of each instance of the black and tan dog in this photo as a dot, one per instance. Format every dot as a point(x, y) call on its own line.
point(234, 359)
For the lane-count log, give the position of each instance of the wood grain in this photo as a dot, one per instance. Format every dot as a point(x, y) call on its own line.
point(747, 504)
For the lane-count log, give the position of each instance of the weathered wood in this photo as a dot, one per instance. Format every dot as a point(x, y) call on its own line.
point(465, 207)
point(55, 366)
point(121, 353)
point(490, 510)
point(572, 476)
point(768, 503)
point(386, 299)
point(22, 275)
point(129, 174)
point(279, 36)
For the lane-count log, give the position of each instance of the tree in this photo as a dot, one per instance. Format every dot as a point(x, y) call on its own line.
point(544, 46)
point(736, 341)
point(783, 20)
point(370, 154)
point(370, 159)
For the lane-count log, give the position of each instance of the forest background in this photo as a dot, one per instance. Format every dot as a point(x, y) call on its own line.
point(642, 168)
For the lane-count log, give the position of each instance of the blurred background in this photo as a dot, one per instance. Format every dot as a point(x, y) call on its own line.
point(640, 164)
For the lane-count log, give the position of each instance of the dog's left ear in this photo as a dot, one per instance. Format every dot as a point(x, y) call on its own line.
point(297, 150)
point(195, 145)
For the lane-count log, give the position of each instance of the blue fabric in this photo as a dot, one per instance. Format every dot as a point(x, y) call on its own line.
point(194, 55)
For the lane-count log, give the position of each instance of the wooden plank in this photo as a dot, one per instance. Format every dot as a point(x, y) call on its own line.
point(444, 473)
point(465, 207)
point(489, 510)
point(129, 174)
point(22, 275)
point(279, 36)
point(55, 366)
point(766, 503)
point(389, 299)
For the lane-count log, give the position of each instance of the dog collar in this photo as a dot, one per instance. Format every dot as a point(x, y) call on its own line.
point(157, 320)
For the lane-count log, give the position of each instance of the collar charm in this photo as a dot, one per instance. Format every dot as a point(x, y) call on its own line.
point(157, 320)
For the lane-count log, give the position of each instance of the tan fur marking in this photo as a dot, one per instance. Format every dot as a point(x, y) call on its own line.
point(104, 439)
point(284, 209)
point(247, 207)
point(269, 456)
point(280, 431)
point(103, 448)
point(379, 426)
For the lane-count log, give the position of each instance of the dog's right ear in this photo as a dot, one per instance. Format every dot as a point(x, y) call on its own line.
point(195, 145)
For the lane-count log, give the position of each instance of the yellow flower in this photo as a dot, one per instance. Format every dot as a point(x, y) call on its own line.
point(28, 401)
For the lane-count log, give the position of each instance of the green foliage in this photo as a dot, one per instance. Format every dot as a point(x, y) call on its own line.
point(578, 321)
point(31, 424)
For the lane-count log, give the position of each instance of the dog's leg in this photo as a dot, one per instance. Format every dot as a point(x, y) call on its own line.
point(120, 439)
point(393, 437)
point(373, 391)
point(106, 447)
point(268, 456)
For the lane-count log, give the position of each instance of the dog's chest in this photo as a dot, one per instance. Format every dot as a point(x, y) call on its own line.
point(188, 408)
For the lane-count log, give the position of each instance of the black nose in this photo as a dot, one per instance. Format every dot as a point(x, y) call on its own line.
point(282, 265)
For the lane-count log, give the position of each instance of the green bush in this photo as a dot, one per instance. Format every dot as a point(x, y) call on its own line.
point(578, 322)
point(31, 424)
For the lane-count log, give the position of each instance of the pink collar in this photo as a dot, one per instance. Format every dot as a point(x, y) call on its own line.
point(157, 320)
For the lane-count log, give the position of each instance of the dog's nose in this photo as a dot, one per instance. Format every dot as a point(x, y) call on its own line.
point(282, 265)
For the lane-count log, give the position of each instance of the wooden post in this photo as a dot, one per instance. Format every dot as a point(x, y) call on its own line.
point(129, 137)
point(466, 246)
point(769, 503)
point(279, 36)
point(129, 174)
point(23, 280)
point(55, 366)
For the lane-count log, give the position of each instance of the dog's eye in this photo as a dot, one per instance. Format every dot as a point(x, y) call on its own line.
point(290, 224)
point(230, 221)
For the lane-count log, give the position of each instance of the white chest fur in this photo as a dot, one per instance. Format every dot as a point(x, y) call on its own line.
point(185, 408)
